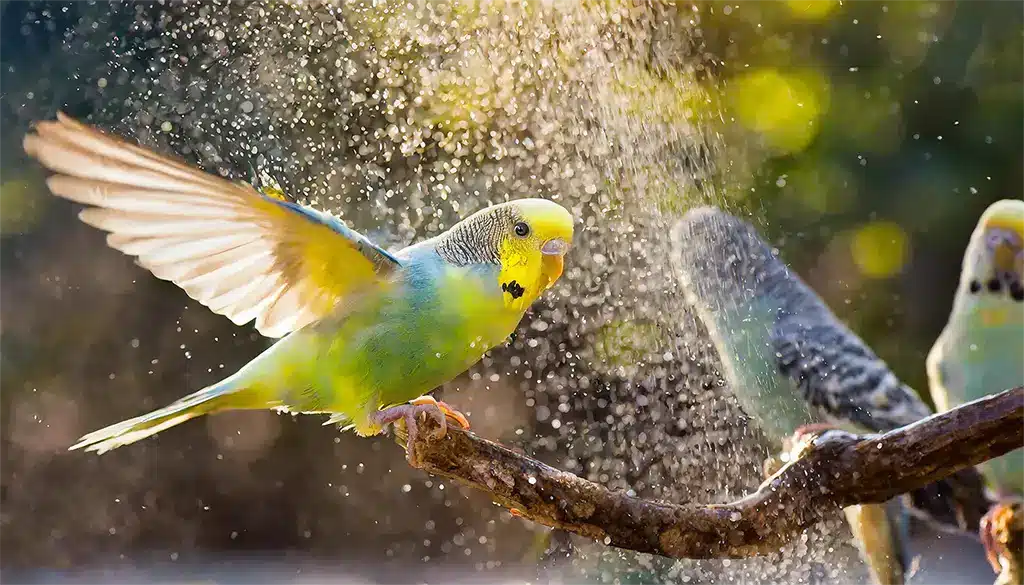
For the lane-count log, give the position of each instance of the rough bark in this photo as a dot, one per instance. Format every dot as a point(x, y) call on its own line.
point(830, 471)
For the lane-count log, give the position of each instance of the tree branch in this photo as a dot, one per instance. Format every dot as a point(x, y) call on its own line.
point(833, 470)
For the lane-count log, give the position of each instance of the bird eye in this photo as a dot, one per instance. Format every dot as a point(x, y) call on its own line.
point(994, 238)
point(522, 230)
point(997, 237)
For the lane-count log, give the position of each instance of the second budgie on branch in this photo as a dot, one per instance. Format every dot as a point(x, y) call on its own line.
point(792, 363)
point(366, 333)
point(981, 351)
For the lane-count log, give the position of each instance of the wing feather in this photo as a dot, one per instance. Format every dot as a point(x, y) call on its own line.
point(732, 274)
point(146, 224)
point(242, 254)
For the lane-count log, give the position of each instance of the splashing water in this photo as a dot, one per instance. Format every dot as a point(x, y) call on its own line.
point(402, 117)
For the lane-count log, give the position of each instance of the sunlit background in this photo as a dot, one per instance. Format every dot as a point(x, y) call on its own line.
point(865, 139)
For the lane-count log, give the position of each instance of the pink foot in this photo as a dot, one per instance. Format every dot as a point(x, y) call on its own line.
point(447, 410)
point(1000, 530)
point(409, 413)
point(454, 415)
point(813, 428)
point(801, 435)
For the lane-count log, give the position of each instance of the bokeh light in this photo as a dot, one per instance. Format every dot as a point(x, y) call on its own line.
point(784, 108)
point(22, 206)
point(812, 9)
point(864, 138)
point(880, 249)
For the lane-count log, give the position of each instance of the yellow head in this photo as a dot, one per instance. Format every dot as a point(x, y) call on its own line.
point(526, 238)
point(994, 262)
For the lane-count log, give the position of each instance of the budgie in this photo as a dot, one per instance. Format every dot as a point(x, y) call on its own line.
point(981, 350)
point(364, 334)
point(791, 362)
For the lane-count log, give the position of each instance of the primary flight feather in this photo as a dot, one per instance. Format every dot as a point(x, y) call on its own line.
point(365, 334)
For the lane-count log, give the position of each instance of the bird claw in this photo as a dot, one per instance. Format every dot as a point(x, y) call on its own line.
point(999, 528)
point(448, 411)
point(988, 541)
point(812, 429)
point(409, 413)
point(771, 466)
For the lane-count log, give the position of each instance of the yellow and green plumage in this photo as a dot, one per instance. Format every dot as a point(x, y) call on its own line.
point(364, 331)
point(981, 349)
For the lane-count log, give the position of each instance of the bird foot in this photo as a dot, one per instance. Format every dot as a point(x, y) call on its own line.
point(771, 466)
point(409, 413)
point(1001, 534)
point(813, 429)
point(449, 412)
point(792, 446)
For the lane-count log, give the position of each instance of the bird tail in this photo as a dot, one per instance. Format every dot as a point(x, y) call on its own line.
point(880, 531)
point(220, 396)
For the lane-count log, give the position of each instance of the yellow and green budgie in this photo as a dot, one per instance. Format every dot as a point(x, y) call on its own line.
point(981, 349)
point(366, 334)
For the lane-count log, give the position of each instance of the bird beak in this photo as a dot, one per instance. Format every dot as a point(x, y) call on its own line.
point(555, 247)
point(552, 252)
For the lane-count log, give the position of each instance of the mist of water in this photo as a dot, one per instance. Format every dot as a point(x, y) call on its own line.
point(403, 116)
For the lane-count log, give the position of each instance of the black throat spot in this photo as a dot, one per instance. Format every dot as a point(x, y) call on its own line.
point(513, 288)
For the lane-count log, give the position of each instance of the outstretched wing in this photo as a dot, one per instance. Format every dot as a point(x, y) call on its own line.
point(242, 254)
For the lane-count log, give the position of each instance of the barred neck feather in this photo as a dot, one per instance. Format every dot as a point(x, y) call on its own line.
point(476, 239)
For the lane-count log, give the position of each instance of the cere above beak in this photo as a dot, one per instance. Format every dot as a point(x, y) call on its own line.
point(554, 247)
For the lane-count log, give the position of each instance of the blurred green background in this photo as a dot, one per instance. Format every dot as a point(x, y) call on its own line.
point(865, 137)
point(885, 130)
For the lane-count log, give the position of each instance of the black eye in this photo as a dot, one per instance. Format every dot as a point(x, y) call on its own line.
point(522, 230)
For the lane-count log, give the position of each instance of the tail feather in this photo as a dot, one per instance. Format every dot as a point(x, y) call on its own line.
point(205, 401)
point(880, 533)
